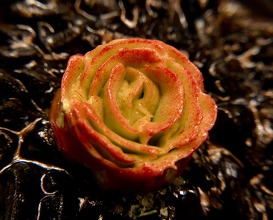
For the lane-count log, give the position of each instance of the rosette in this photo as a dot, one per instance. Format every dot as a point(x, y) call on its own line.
point(133, 111)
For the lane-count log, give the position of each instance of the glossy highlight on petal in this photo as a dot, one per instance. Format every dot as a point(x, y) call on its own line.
point(133, 111)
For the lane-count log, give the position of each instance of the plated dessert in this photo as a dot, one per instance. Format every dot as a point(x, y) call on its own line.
point(223, 48)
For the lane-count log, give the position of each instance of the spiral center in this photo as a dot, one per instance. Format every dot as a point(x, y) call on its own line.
point(137, 97)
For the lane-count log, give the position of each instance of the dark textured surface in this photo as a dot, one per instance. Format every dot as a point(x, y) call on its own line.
point(230, 176)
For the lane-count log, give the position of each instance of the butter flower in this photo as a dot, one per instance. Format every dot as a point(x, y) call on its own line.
point(133, 111)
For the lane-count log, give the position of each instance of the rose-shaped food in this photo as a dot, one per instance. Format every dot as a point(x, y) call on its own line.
point(133, 111)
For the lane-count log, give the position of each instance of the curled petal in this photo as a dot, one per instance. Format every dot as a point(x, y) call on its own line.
point(133, 111)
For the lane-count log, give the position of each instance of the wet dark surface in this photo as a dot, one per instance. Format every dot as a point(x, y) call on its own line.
point(230, 176)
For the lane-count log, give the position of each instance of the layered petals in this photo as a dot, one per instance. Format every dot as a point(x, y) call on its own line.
point(133, 111)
